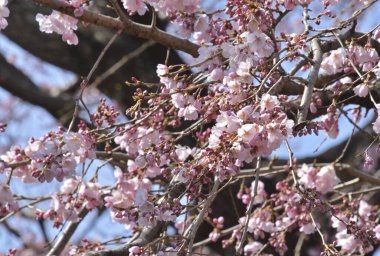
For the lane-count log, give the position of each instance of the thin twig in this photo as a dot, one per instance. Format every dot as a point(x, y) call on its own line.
point(124, 60)
point(337, 160)
point(85, 81)
point(192, 231)
point(250, 207)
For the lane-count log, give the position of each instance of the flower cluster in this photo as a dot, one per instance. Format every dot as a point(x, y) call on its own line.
point(105, 114)
point(164, 6)
point(55, 155)
point(293, 212)
point(255, 133)
point(66, 206)
point(339, 60)
point(85, 246)
point(130, 204)
point(218, 225)
point(59, 23)
point(4, 13)
point(322, 179)
point(7, 202)
point(134, 140)
point(204, 125)
point(291, 4)
point(357, 232)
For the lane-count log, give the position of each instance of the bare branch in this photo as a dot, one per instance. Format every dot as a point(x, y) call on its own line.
point(66, 235)
point(312, 79)
point(250, 207)
point(192, 230)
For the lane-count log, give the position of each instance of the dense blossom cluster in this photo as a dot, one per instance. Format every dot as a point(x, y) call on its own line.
point(54, 156)
point(59, 23)
point(204, 126)
point(256, 133)
point(66, 206)
point(356, 232)
point(323, 180)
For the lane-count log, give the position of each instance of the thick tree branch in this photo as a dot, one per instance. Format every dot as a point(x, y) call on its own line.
point(18, 84)
point(312, 79)
point(127, 26)
point(357, 37)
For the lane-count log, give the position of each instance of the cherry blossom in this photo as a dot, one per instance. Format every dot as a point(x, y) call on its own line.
point(135, 6)
point(59, 23)
point(361, 90)
point(4, 13)
point(252, 248)
point(7, 202)
point(197, 128)
point(323, 180)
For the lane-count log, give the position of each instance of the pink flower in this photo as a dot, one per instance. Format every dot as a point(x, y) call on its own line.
point(368, 162)
point(92, 193)
point(135, 6)
point(307, 175)
point(337, 223)
point(361, 90)
point(229, 121)
point(268, 102)
point(241, 152)
point(326, 179)
point(7, 203)
point(261, 194)
point(308, 228)
point(335, 62)
point(244, 68)
point(259, 43)
point(189, 113)
point(59, 23)
point(313, 108)
point(215, 75)
point(330, 123)
point(245, 113)
point(252, 248)
point(247, 132)
point(201, 25)
point(183, 152)
point(347, 242)
point(162, 70)
point(135, 250)
point(376, 124)
point(179, 100)
point(377, 231)
point(4, 13)
point(365, 210)
point(323, 180)
point(69, 186)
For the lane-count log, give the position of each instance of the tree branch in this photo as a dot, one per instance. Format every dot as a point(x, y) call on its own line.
point(18, 84)
point(312, 79)
point(59, 246)
point(127, 26)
